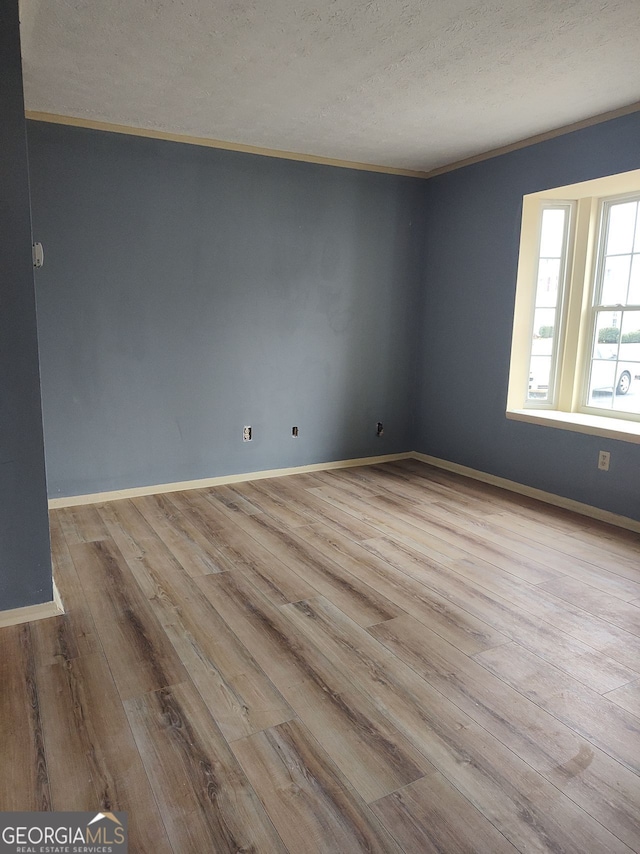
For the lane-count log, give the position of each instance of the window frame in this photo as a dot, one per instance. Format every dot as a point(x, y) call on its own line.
point(567, 408)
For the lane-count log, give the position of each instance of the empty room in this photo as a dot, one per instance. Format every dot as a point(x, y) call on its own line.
point(319, 427)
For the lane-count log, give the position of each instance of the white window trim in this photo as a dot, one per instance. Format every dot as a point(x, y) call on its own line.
point(567, 411)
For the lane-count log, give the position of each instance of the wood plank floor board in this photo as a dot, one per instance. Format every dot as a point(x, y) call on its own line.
point(236, 691)
point(548, 520)
point(628, 696)
point(550, 553)
point(302, 480)
point(598, 669)
point(527, 809)
point(91, 755)
point(448, 509)
point(137, 541)
point(605, 724)
point(387, 525)
point(210, 509)
point(53, 640)
point(277, 581)
point(547, 556)
point(475, 541)
point(542, 602)
point(284, 654)
point(314, 812)
point(352, 482)
point(461, 628)
point(406, 483)
point(600, 544)
point(320, 511)
point(617, 644)
point(236, 550)
point(430, 816)
point(489, 494)
point(502, 583)
point(232, 502)
point(81, 524)
point(185, 542)
point(478, 501)
point(371, 754)
point(361, 601)
point(386, 658)
point(389, 477)
point(595, 781)
point(618, 557)
point(447, 533)
point(140, 655)
point(471, 491)
point(617, 650)
point(24, 776)
point(440, 541)
point(287, 514)
point(201, 504)
point(376, 757)
point(606, 790)
point(607, 539)
point(585, 571)
point(78, 617)
point(204, 796)
point(625, 615)
point(530, 732)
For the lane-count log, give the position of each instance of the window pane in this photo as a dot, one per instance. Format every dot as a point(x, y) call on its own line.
point(634, 282)
point(552, 235)
point(614, 381)
point(607, 337)
point(539, 378)
point(628, 377)
point(622, 219)
point(603, 359)
point(601, 383)
point(548, 280)
point(630, 336)
point(627, 396)
point(615, 280)
point(543, 331)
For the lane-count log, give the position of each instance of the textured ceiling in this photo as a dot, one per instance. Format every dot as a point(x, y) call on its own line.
point(407, 83)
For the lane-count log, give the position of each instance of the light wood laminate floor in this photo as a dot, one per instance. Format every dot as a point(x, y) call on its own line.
point(381, 659)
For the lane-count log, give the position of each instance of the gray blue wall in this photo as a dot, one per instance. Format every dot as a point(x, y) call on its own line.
point(190, 291)
point(471, 254)
point(25, 566)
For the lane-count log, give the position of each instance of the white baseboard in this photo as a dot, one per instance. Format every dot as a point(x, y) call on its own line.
point(532, 492)
point(180, 486)
point(15, 616)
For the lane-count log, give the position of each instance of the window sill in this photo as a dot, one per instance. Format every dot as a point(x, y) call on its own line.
point(580, 422)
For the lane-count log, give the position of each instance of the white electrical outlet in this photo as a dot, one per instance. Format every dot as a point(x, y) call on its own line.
point(603, 460)
point(247, 434)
